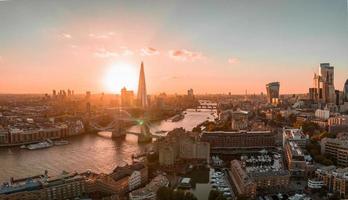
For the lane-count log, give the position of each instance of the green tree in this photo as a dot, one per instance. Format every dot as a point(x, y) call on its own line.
point(216, 195)
point(310, 127)
point(213, 194)
point(189, 196)
point(292, 118)
point(179, 194)
point(164, 193)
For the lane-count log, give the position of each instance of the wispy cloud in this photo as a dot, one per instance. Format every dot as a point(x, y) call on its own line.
point(233, 61)
point(185, 55)
point(101, 35)
point(103, 53)
point(149, 51)
point(66, 35)
point(126, 52)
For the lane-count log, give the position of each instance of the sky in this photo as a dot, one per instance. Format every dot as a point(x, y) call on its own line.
point(210, 46)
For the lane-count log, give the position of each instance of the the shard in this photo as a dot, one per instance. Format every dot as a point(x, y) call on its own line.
point(142, 96)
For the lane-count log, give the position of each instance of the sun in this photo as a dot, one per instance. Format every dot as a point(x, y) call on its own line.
point(120, 75)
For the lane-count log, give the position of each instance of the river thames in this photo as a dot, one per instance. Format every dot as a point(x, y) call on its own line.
point(96, 152)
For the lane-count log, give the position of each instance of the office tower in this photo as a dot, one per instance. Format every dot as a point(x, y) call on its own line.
point(327, 77)
point(345, 91)
point(323, 90)
point(88, 95)
point(190, 93)
point(54, 93)
point(142, 96)
point(127, 97)
point(273, 92)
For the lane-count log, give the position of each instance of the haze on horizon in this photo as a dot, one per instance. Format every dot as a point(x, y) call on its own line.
point(212, 47)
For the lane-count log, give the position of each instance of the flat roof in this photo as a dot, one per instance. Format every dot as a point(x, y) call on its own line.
point(186, 180)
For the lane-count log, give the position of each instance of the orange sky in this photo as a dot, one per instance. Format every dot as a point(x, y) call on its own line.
point(92, 47)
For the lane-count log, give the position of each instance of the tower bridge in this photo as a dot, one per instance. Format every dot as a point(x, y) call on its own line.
point(117, 125)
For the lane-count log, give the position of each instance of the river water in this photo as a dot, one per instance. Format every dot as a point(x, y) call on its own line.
point(95, 152)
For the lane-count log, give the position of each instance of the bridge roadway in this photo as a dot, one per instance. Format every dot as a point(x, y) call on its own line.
point(141, 134)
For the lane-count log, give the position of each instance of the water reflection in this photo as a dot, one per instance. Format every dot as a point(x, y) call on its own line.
point(96, 152)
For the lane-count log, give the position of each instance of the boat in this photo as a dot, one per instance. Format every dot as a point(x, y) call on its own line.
point(61, 142)
point(178, 117)
point(40, 145)
point(160, 132)
point(23, 147)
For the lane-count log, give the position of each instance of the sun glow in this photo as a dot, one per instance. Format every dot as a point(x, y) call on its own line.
point(120, 75)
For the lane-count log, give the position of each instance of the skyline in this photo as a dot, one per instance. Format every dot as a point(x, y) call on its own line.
point(182, 45)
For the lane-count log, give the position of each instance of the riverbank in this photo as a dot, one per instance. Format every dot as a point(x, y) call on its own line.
point(100, 154)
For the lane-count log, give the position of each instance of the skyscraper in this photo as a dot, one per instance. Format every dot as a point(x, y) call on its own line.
point(323, 85)
point(273, 92)
point(345, 91)
point(127, 97)
point(327, 78)
point(142, 96)
point(190, 94)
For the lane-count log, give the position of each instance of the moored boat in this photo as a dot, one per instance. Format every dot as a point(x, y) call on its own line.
point(41, 145)
point(61, 142)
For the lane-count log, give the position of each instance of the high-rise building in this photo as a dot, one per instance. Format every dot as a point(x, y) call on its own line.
point(273, 92)
point(345, 91)
point(127, 97)
point(327, 78)
point(142, 96)
point(323, 85)
point(190, 93)
point(88, 95)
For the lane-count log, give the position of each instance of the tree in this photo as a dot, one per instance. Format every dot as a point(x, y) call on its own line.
point(292, 118)
point(164, 193)
point(310, 127)
point(189, 196)
point(216, 195)
point(213, 194)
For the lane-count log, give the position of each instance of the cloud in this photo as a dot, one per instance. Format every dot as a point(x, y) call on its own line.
point(126, 52)
point(103, 53)
point(66, 35)
point(101, 36)
point(185, 55)
point(149, 51)
point(233, 61)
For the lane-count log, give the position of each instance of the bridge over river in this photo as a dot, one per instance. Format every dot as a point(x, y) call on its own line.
point(118, 128)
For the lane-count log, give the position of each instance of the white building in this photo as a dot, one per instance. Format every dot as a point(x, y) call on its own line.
point(315, 184)
point(295, 135)
point(134, 180)
point(149, 191)
point(322, 114)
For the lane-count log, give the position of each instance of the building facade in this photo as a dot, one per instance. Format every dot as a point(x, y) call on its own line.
point(181, 145)
point(323, 90)
point(337, 149)
point(273, 92)
point(240, 139)
point(335, 180)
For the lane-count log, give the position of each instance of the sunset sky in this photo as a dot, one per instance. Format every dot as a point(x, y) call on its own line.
point(210, 46)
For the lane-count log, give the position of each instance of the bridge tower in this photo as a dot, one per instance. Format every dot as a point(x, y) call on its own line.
point(145, 136)
point(118, 131)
